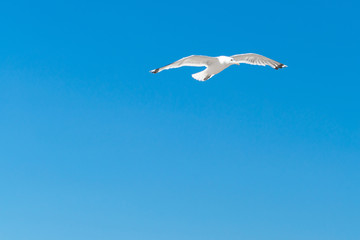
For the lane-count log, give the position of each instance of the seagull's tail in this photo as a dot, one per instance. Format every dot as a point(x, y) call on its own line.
point(202, 76)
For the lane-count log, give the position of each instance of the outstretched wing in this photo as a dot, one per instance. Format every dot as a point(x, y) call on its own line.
point(193, 60)
point(256, 59)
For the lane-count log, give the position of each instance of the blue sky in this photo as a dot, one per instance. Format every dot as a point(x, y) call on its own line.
point(93, 146)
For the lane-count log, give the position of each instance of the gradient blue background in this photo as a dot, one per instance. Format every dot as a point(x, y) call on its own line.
point(93, 146)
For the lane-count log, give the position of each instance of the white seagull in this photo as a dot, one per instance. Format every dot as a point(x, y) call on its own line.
point(214, 65)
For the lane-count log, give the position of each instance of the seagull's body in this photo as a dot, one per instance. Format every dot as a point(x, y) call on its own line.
point(214, 65)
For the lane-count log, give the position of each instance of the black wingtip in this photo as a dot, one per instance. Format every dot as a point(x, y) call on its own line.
point(155, 70)
point(280, 66)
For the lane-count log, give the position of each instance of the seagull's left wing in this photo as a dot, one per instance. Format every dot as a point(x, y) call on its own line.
point(256, 59)
point(193, 60)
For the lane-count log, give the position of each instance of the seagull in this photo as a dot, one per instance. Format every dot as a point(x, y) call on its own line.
point(214, 65)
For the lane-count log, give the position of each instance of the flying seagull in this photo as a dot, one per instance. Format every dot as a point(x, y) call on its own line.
point(214, 65)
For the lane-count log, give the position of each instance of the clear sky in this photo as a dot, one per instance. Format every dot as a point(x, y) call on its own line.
point(93, 146)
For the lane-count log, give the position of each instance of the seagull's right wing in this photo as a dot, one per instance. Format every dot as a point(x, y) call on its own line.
point(256, 59)
point(193, 60)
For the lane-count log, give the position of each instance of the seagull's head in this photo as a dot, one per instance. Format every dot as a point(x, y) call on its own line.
point(233, 61)
point(227, 60)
